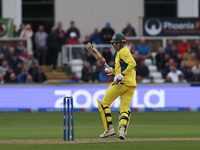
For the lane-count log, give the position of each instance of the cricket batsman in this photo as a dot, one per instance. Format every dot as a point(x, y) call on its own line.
point(124, 85)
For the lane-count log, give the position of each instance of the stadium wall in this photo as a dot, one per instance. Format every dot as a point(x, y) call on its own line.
point(90, 14)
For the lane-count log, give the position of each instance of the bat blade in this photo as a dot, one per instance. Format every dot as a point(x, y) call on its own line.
point(96, 54)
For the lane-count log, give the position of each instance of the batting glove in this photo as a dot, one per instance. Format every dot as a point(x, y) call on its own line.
point(118, 78)
point(109, 71)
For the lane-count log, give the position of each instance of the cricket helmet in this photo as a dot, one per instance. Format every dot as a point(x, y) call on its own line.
point(118, 37)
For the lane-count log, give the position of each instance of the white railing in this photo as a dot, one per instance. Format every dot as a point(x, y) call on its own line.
point(70, 52)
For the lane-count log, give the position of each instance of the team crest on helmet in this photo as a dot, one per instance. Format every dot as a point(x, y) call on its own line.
point(114, 37)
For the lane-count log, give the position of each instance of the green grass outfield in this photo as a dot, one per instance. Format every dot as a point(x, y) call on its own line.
point(147, 130)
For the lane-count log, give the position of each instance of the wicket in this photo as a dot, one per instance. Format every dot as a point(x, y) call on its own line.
point(69, 119)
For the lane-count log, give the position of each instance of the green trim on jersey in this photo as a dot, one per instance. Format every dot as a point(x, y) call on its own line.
point(123, 65)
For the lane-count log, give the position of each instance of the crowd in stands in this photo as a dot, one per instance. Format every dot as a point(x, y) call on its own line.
point(22, 64)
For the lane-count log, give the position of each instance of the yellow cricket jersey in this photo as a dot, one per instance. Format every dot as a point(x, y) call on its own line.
point(125, 63)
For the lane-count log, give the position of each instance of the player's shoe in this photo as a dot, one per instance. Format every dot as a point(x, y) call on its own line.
point(110, 132)
point(122, 134)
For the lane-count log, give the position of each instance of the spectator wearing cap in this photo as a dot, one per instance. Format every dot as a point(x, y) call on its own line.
point(76, 52)
point(73, 39)
point(107, 33)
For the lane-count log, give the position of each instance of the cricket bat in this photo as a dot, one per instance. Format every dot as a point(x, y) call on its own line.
point(96, 54)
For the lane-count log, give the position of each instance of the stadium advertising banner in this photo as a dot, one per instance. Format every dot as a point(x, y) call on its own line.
point(6, 28)
point(171, 26)
point(86, 97)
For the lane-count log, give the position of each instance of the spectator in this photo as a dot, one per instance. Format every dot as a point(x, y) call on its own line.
point(15, 31)
point(107, 54)
point(24, 54)
point(5, 48)
point(187, 54)
point(198, 52)
point(2, 79)
point(195, 78)
point(39, 77)
point(129, 30)
point(184, 66)
point(41, 45)
point(107, 33)
point(143, 49)
point(181, 79)
point(2, 57)
point(18, 69)
point(192, 60)
point(22, 77)
point(160, 58)
point(173, 52)
point(142, 70)
point(63, 40)
point(4, 67)
point(76, 52)
point(29, 79)
point(182, 48)
point(166, 69)
point(87, 39)
point(12, 78)
point(95, 37)
point(196, 68)
point(8, 73)
point(29, 60)
point(10, 54)
point(53, 48)
point(168, 46)
point(33, 69)
point(179, 60)
point(129, 43)
point(28, 33)
point(61, 33)
point(98, 69)
point(103, 76)
point(73, 39)
point(74, 29)
point(195, 46)
point(87, 73)
point(14, 61)
point(174, 74)
point(20, 47)
point(188, 74)
point(22, 26)
point(133, 51)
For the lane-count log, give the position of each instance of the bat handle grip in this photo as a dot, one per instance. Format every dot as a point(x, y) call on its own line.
point(106, 65)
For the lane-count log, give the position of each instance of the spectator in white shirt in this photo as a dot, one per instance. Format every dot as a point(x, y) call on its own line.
point(174, 74)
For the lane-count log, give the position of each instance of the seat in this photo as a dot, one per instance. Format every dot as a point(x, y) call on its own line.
point(152, 68)
point(148, 62)
point(156, 75)
point(77, 66)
